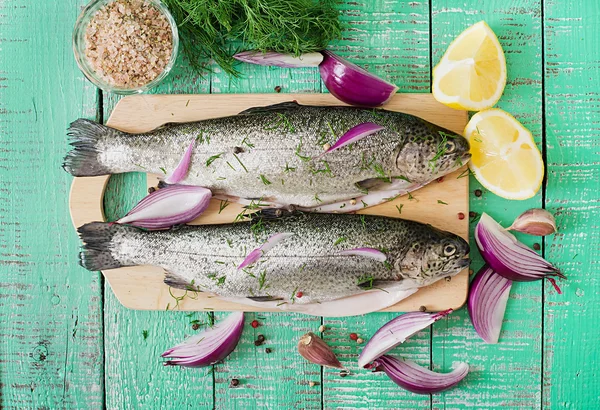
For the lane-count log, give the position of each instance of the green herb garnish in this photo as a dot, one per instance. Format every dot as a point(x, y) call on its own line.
point(399, 208)
point(364, 203)
point(264, 180)
point(145, 334)
point(378, 168)
point(163, 170)
point(340, 240)
point(246, 142)
point(213, 158)
point(241, 163)
point(439, 201)
point(288, 168)
point(223, 204)
point(202, 139)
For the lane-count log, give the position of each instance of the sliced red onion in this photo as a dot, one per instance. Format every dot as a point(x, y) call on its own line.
point(371, 253)
point(354, 134)
point(257, 253)
point(412, 377)
point(488, 295)
point(181, 170)
point(396, 331)
point(354, 85)
point(272, 58)
point(507, 256)
point(169, 206)
point(209, 346)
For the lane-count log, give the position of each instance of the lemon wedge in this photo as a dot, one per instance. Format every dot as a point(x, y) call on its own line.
point(505, 159)
point(472, 73)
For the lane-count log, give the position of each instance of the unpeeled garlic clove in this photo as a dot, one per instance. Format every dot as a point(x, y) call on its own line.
point(535, 221)
point(315, 350)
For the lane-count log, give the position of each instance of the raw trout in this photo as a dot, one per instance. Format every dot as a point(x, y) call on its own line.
point(276, 153)
point(322, 264)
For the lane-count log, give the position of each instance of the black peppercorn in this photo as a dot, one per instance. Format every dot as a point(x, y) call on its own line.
point(478, 192)
point(234, 382)
point(268, 350)
point(260, 338)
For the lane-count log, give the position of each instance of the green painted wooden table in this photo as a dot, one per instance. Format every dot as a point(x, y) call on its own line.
point(66, 342)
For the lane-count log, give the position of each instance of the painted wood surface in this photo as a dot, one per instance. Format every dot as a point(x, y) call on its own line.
point(66, 342)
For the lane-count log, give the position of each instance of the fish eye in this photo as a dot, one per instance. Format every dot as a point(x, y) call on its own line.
point(450, 147)
point(449, 250)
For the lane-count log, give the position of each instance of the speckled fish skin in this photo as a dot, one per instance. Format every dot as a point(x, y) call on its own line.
point(207, 257)
point(283, 144)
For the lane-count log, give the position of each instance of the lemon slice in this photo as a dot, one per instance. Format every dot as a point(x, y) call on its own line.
point(472, 73)
point(504, 157)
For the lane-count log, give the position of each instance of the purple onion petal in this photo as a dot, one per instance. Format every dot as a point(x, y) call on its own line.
point(209, 346)
point(371, 253)
point(488, 295)
point(354, 134)
point(396, 331)
point(257, 253)
point(272, 58)
point(169, 206)
point(507, 256)
point(412, 377)
point(354, 85)
point(182, 168)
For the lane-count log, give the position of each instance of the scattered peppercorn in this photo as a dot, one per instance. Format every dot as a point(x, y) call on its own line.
point(478, 192)
point(254, 324)
point(260, 338)
point(321, 328)
point(234, 382)
point(195, 326)
point(299, 294)
point(238, 150)
point(471, 271)
point(343, 373)
point(461, 216)
point(326, 147)
point(422, 309)
point(257, 343)
point(268, 350)
point(472, 214)
point(440, 179)
point(353, 336)
point(359, 341)
point(353, 201)
point(151, 189)
point(448, 278)
point(536, 246)
point(278, 89)
point(312, 384)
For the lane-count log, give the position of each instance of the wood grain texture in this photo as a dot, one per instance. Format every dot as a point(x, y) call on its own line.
point(142, 287)
point(571, 378)
point(50, 309)
point(135, 377)
point(391, 39)
point(506, 375)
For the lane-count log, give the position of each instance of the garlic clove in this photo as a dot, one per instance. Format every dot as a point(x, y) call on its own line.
point(535, 221)
point(315, 350)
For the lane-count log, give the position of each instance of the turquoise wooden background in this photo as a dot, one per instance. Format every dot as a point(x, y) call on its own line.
point(66, 342)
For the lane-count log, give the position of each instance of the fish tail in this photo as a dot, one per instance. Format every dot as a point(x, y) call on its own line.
point(82, 160)
point(97, 252)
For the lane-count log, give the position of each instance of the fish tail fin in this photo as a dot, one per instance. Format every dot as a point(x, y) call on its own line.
point(82, 160)
point(97, 253)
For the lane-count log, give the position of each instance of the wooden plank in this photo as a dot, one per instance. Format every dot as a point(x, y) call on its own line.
point(280, 379)
point(142, 287)
point(572, 82)
point(135, 377)
point(50, 309)
point(391, 39)
point(506, 374)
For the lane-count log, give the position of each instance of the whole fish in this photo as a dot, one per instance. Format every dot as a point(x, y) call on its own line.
point(322, 264)
point(277, 153)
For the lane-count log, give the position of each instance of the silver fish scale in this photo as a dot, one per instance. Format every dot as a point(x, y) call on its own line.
point(284, 146)
point(207, 257)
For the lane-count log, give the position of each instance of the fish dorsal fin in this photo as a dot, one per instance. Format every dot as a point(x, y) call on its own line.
point(284, 106)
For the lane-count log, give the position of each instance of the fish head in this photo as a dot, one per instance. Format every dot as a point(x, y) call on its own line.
point(432, 257)
point(430, 152)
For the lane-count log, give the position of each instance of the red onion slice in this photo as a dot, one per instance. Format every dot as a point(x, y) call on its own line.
point(209, 346)
point(354, 85)
point(354, 134)
point(507, 256)
point(169, 206)
point(412, 377)
point(371, 253)
point(396, 331)
point(272, 58)
point(181, 170)
point(488, 296)
point(257, 253)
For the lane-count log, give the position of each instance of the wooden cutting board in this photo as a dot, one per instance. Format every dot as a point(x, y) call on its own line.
point(142, 287)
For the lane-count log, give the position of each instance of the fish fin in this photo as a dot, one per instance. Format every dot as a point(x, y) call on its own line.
point(288, 105)
point(82, 160)
point(175, 281)
point(97, 249)
point(264, 298)
point(276, 213)
point(378, 184)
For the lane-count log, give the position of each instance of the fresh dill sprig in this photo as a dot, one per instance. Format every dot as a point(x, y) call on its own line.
point(298, 152)
point(202, 139)
point(163, 170)
point(264, 180)
point(247, 142)
point(340, 240)
point(439, 201)
point(213, 158)
point(399, 208)
point(288, 168)
point(240, 161)
point(223, 204)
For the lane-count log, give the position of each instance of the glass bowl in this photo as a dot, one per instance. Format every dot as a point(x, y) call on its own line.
point(86, 68)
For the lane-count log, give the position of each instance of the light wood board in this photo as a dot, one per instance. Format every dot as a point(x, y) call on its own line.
point(142, 287)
